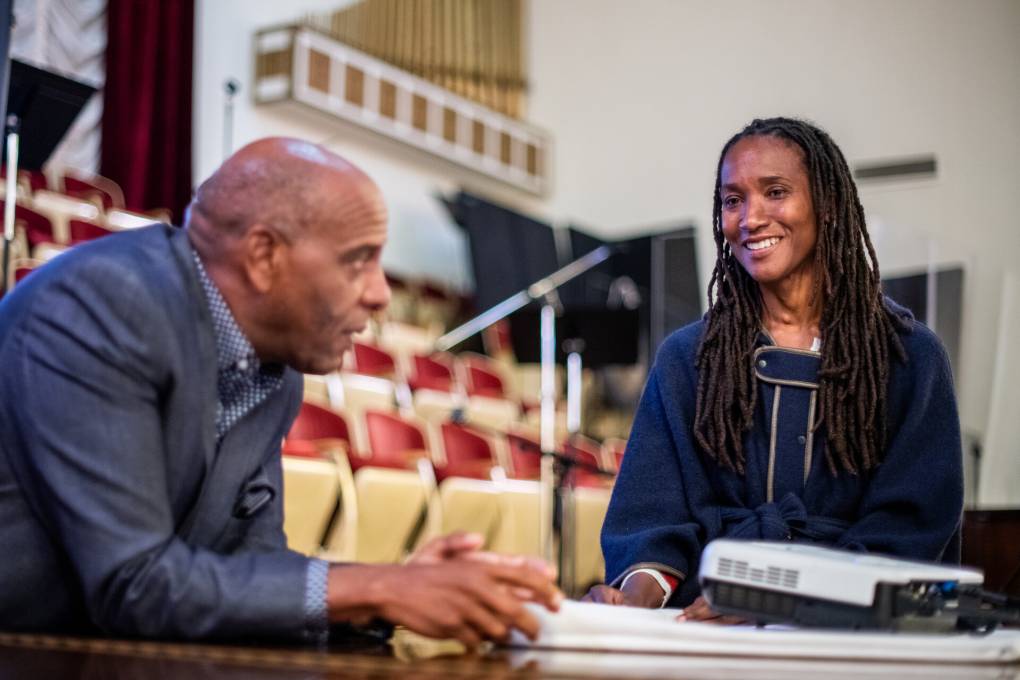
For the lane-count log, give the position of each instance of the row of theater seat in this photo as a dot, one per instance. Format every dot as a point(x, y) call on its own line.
point(439, 462)
point(51, 217)
point(455, 443)
point(375, 505)
point(103, 191)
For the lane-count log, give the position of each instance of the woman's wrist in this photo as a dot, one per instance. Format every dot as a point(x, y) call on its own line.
point(641, 589)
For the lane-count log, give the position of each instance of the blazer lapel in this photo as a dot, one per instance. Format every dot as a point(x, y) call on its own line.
point(206, 350)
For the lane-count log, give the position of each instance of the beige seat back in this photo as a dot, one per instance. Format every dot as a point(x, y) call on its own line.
point(310, 491)
point(388, 508)
point(590, 505)
point(463, 504)
point(519, 531)
point(403, 341)
point(491, 413)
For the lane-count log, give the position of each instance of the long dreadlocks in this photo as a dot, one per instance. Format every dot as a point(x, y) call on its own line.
point(858, 330)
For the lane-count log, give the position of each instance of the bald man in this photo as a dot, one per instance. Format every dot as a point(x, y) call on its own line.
point(146, 382)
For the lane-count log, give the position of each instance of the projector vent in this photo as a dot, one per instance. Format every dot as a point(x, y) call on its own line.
point(773, 576)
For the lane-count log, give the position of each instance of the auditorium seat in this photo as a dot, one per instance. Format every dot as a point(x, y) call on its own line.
point(315, 423)
point(29, 180)
point(481, 376)
point(374, 361)
point(393, 441)
point(431, 372)
point(60, 209)
point(83, 230)
point(587, 452)
point(23, 268)
point(466, 504)
point(525, 454)
point(310, 495)
point(613, 449)
point(44, 252)
point(384, 522)
point(38, 228)
point(491, 413)
point(437, 407)
point(20, 268)
point(405, 339)
point(590, 505)
point(125, 219)
point(316, 390)
point(354, 394)
point(466, 453)
point(106, 193)
point(380, 509)
point(525, 384)
point(533, 419)
point(519, 529)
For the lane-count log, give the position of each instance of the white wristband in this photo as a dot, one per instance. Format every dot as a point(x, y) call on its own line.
point(667, 589)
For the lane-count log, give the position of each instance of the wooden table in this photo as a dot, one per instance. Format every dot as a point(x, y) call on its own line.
point(44, 657)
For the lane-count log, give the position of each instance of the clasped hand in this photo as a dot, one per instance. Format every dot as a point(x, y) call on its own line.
point(451, 589)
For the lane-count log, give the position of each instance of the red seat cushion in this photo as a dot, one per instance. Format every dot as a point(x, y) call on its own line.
point(315, 423)
point(468, 454)
point(431, 374)
point(389, 438)
point(525, 456)
point(372, 360)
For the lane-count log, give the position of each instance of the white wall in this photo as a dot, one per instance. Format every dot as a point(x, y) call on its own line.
point(423, 241)
point(641, 94)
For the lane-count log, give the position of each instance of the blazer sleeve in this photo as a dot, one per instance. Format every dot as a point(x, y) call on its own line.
point(94, 471)
point(650, 522)
point(913, 504)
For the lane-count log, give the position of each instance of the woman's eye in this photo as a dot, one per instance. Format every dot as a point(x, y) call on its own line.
point(730, 201)
point(776, 192)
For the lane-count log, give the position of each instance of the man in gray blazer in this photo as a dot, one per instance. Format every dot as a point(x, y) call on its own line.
point(146, 382)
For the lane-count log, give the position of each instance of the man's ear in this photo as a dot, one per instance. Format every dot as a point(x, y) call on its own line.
point(264, 250)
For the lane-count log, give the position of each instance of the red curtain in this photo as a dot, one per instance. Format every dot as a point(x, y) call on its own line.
point(146, 145)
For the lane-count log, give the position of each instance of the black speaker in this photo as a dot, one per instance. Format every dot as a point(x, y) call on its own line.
point(622, 309)
point(655, 275)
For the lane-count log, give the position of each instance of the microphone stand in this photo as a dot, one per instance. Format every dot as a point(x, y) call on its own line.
point(11, 196)
point(552, 481)
point(230, 88)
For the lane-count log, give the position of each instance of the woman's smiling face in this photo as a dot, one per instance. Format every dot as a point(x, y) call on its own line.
point(768, 217)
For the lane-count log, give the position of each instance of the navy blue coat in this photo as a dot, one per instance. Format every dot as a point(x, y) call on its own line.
point(118, 510)
point(670, 499)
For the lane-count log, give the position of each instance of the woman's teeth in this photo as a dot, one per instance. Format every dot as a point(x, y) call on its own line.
point(759, 245)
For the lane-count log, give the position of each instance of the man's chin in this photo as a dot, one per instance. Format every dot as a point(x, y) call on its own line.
point(321, 365)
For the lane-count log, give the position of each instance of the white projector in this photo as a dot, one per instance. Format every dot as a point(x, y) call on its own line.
point(808, 585)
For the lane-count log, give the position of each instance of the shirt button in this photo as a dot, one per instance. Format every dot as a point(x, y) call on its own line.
point(242, 365)
point(762, 363)
point(801, 439)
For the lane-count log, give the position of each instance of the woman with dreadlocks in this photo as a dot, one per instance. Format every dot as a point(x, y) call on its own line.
point(804, 406)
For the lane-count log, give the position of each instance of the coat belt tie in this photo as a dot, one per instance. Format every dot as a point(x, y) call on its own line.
point(785, 520)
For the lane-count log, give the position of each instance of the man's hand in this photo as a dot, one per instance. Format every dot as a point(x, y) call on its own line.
point(451, 546)
point(699, 610)
point(641, 591)
point(464, 545)
point(465, 599)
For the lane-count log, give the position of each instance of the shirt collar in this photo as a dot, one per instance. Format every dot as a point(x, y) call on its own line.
point(233, 349)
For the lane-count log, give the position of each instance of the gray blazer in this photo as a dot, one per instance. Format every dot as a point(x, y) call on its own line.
point(117, 508)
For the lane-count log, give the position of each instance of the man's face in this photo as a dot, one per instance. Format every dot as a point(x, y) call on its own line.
point(334, 282)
